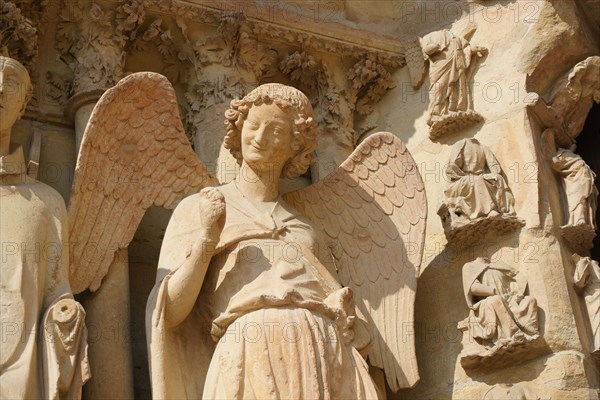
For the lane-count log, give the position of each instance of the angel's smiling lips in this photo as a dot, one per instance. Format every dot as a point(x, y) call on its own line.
point(257, 147)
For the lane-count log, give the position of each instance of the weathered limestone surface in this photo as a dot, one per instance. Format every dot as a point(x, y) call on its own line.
point(44, 336)
point(362, 67)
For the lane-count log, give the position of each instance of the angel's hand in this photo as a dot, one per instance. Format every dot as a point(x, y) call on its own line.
point(212, 214)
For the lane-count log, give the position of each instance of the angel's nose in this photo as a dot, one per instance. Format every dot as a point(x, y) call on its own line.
point(260, 135)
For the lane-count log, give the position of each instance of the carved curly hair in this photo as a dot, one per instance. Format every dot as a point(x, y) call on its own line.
point(285, 97)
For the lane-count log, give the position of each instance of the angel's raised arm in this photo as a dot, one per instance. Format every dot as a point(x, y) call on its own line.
point(189, 244)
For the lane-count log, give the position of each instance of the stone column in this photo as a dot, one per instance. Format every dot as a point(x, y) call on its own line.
point(80, 108)
point(107, 309)
point(109, 337)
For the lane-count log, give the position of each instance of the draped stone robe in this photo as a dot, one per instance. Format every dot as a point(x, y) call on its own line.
point(282, 322)
point(44, 348)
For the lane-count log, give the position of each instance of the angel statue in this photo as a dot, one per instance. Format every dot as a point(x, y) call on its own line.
point(263, 295)
point(44, 348)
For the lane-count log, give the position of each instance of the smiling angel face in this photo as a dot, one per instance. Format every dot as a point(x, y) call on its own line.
point(267, 136)
point(272, 124)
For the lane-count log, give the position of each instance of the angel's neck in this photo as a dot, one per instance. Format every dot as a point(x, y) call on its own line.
point(4, 142)
point(258, 185)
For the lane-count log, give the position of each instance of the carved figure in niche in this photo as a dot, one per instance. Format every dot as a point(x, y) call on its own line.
point(587, 282)
point(264, 272)
point(477, 191)
point(451, 69)
point(43, 330)
point(502, 315)
point(580, 193)
point(578, 182)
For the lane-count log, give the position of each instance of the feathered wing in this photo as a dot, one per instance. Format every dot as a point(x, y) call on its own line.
point(373, 209)
point(134, 154)
point(416, 62)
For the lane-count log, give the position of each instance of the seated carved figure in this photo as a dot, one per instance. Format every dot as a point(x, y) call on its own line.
point(499, 308)
point(43, 350)
point(502, 328)
point(477, 187)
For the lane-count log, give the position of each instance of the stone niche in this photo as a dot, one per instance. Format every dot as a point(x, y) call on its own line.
point(365, 70)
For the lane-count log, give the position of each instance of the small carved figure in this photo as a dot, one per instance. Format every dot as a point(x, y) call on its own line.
point(451, 68)
point(477, 187)
point(580, 195)
point(264, 272)
point(502, 315)
point(578, 181)
point(587, 281)
point(499, 308)
point(43, 331)
point(477, 190)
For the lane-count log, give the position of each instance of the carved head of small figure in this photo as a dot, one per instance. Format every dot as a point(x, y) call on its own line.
point(15, 93)
point(272, 123)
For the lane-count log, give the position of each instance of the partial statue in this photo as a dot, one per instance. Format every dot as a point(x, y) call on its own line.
point(451, 69)
point(478, 198)
point(44, 338)
point(579, 195)
point(262, 295)
point(503, 317)
point(587, 281)
point(566, 107)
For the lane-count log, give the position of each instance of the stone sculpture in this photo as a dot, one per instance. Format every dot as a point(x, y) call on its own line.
point(587, 281)
point(134, 154)
point(569, 102)
point(580, 195)
point(44, 347)
point(578, 182)
point(478, 196)
point(451, 69)
point(503, 318)
point(262, 274)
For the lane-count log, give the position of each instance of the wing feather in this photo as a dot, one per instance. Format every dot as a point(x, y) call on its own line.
point(374, 207)
point(134, 154)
